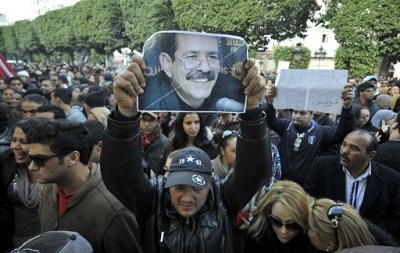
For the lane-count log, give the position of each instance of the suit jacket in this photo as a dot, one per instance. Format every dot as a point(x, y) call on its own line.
point(381, 203)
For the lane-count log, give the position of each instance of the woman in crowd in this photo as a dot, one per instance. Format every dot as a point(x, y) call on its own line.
point(19, 191)
point(280, 220)
point(336, 226)
point(225, 161)
point(362, 116)
point(189, 131)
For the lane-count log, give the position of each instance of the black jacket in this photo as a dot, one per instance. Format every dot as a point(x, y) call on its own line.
point(381, 203)
point(210, 229)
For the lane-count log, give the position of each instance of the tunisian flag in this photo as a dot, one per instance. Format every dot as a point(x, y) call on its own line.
point(6, 71)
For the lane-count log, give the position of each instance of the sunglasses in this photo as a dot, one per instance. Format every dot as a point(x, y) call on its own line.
point(335, 213)
point(228, 133)
point(40, 160)
point(293, 226)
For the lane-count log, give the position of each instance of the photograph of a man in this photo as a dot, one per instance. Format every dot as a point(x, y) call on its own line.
point(189, 71)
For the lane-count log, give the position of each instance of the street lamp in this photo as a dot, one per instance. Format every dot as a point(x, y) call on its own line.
point(320, 54)
point(297, 52)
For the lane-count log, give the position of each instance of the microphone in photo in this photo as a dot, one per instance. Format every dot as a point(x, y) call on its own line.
point(229, 105)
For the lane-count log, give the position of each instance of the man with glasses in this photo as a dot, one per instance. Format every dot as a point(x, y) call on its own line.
point(355, 178)
point(75, 198)
point(365, 97)
point(190, 79)
point(155, 145)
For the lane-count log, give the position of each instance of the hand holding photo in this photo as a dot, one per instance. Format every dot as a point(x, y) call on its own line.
point(190, 71)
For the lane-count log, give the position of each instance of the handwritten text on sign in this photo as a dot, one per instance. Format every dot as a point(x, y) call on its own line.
point(309, 89)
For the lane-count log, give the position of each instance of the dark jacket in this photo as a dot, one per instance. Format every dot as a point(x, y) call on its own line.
point(16, 219)
point(211, 228)
point(157, 152)
point(295, 165)
point(95, 214)
point(381, 204)
point(271, 244)
point(7, 171)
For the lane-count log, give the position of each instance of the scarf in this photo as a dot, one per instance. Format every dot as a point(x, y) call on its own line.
point(28, 193)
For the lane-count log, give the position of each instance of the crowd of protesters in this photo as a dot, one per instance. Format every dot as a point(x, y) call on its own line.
point(76, 155)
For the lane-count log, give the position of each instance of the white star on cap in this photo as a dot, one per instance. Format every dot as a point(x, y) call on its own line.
point(190, 158)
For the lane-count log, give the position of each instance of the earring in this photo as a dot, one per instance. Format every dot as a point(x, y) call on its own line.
point(326, 250)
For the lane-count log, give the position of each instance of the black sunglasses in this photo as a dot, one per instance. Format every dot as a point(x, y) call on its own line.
point(40, 160)
point(335, 214)
point(293, 226)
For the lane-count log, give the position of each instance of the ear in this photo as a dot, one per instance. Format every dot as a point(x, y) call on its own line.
point(330, 247)
point(372, 155)
point(395, 125)
point(100, 144)
point(73, 158)
point(166, 62)
point(222, 150)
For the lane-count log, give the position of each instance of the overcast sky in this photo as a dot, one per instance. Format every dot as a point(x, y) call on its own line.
point(17, 9)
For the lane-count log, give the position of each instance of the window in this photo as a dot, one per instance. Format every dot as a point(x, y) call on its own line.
point(324, 38)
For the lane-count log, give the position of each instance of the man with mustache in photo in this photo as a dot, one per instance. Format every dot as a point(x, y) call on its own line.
point(190, 79)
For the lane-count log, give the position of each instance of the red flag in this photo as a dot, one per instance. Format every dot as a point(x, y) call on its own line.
point(6, 71)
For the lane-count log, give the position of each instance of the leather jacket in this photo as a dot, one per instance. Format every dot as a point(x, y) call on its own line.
point(163, 229)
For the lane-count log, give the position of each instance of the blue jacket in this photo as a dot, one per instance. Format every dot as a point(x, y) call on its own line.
point(295, 166)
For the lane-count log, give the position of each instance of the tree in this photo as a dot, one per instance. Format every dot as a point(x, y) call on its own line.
point(142, 18)
point(97, 24)
point(28, 42)
point(283, 53)
point(366, 26)
point(256, 21)
point(358, 63)
point(10, 42)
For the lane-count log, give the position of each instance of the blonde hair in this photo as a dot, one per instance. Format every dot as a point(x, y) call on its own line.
point(352, 231)
point(292, 196)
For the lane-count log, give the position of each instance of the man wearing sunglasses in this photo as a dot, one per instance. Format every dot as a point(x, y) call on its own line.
point(355, 178)
point(75, 198)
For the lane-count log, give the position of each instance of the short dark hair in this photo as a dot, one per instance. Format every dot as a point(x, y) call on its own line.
point(14, 78)
point(63, 136)
point(364, 86)
point(27, 124)
point(58, 112)
point(63, 79)
point(35, 98)
point(373, 142)
point(168, 43)
point(95, 129)
point(64, 94)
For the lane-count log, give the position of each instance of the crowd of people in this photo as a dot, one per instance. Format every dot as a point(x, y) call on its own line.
point(78, 157)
